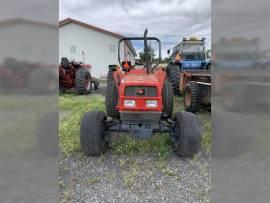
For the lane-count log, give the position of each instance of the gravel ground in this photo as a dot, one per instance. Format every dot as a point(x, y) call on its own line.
point(134, 178)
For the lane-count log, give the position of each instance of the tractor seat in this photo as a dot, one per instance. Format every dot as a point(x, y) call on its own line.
point(64, 62)
point(127, 65)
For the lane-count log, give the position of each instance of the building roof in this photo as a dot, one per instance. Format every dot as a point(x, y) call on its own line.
point(70, 20)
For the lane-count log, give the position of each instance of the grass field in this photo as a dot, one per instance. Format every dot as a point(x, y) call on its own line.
point(72, 108)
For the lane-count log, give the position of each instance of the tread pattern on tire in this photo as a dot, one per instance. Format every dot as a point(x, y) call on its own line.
point(79, 81)
point(92, 134)
point(173, 72)
point(112, 100)
point(110, 76)
point(187, 130)
point(96, 85)
point(167, 99)
point(195, 91)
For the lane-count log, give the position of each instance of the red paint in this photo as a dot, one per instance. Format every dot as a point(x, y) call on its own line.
point(67, 76)
point(139, 78)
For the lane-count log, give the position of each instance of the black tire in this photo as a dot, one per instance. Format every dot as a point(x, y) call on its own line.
point(112, 100)
point(83, 81)
point(186, 133)
point(192, 97)
point(167, 99)
point(110, 76)
point(96, 85)
point(173, 73)
point(92, 133)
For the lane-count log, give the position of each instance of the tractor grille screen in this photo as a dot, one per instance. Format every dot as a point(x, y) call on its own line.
point(141, 91)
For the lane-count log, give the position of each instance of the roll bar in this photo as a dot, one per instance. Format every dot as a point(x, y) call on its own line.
point(146, 50)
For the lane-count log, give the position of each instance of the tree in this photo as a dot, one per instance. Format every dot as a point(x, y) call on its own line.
point(166, 60)
point(152, 55)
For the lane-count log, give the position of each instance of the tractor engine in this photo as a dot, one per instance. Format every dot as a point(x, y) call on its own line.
point(141, 100)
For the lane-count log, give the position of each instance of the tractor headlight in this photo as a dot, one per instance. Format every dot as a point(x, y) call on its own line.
point(129, 103)
point(151, 103)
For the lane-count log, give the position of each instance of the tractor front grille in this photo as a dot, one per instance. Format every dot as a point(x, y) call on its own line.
point(140, 116)
point(141, 91)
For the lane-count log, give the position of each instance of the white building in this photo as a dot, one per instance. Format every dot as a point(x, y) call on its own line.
point(83, 42)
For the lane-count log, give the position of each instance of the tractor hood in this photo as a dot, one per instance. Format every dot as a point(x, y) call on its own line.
point(134, 79)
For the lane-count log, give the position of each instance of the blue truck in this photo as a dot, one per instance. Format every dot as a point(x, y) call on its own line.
point(190, 54)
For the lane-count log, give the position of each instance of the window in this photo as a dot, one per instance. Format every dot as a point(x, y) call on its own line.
point(112, 48)
point(73, 49)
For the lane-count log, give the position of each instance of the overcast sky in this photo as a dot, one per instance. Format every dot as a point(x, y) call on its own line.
point(169, 20)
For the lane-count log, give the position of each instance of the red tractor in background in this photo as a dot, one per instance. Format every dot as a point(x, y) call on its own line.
point(76, 75)
point(139, 102)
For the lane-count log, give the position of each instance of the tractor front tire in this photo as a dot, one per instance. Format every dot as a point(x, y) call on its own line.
point(173, 73)
point(167, 99)
point(92, 133)
point(83, 81)
point(192, 97)
point(186, 133)
point(112, 100)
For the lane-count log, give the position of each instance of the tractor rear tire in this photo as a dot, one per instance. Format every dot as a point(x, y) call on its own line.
point(192, 97)
point(96, 85)
point(110, 76)
point(167, 99)
point(186, 133)
point(112, 100)
point(83, 81)
point(92, 133)
point(173, 73)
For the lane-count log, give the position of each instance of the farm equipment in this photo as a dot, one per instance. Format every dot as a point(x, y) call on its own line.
point(76, 75)
point(139, 102)
point(17, 75)
point(190, 54)
point(195, 86)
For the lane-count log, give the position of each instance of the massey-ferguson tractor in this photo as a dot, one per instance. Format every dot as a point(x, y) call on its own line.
point(76, 75)
point(188, 55)
point(139, 101)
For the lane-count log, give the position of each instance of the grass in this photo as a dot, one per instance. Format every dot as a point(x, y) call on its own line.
point(207, 137)
point(159, 144)
point(70, 125)
point(92, 180)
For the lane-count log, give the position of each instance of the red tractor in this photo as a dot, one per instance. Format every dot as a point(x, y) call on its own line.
point(76, 75)
point(139, 102)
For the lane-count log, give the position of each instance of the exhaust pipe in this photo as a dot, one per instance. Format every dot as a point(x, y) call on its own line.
point(146, 52)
